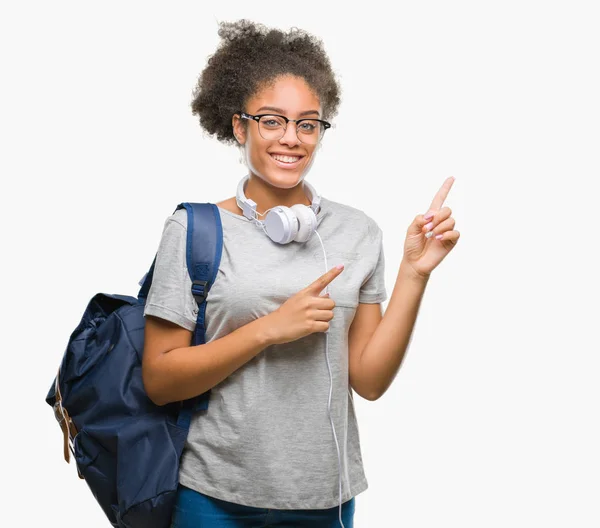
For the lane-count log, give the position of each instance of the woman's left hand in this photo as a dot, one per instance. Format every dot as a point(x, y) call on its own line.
point(423, 253)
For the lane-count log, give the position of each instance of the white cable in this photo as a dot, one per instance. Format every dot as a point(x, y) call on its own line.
point(261, 224)
point(330, 390)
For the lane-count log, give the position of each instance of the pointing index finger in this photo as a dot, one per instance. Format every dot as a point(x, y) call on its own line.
point(441, 195)
point(325, 279)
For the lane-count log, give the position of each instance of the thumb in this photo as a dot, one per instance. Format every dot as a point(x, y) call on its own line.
point(416, 228)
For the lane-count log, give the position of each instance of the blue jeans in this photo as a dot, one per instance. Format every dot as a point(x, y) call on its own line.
point(196, 510)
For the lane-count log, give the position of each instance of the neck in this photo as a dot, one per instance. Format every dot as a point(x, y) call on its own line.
point(267, 196)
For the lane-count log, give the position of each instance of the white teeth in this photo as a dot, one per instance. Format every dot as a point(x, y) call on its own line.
point(286, 159)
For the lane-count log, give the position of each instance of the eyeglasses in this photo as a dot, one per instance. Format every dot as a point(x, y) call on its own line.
point(272, 127)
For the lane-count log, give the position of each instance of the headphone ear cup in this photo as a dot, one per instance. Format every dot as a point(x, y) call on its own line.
point(307, 221)
point(281, 224)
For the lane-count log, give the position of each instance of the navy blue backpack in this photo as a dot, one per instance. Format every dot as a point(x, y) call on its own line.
point(125, 447)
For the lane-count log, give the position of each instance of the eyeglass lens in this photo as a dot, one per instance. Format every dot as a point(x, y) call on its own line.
point(273, 127)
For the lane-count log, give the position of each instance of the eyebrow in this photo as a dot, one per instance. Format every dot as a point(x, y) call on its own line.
point(280, 111)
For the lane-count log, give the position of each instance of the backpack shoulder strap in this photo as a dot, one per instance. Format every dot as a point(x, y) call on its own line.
point(204, 247)
point(203, 255)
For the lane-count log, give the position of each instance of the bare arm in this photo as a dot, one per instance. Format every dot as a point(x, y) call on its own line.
point(172, 370)
point(378, 362)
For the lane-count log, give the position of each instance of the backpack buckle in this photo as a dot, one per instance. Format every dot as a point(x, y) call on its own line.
point(199, 290)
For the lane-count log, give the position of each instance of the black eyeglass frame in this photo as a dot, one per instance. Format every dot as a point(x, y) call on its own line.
point(256, 118)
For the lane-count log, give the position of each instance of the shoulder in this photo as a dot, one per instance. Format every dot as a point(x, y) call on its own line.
point(177, 220)
point(174, 228)
point(180, 216)
point(364, 224)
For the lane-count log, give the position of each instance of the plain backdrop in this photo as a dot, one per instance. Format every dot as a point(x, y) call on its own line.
point(493, 418)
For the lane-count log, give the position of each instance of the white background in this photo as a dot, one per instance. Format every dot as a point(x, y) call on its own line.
point(493, 418)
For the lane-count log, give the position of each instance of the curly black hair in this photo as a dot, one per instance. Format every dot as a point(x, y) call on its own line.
point(251, 57)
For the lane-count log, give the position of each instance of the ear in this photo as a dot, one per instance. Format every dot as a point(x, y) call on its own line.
point(239, 130)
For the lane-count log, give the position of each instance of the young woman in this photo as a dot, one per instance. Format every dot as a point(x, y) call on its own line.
point(289, 334)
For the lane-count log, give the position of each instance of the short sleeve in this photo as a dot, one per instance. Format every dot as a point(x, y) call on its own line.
point(373, 290)
point(170, 295)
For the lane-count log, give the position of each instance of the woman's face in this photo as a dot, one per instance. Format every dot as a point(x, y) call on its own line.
point(293, 98)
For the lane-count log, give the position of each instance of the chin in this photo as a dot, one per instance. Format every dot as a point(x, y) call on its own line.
point(289, 178)
point(282, 179)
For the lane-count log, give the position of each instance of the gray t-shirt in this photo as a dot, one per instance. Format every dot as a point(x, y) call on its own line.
point(266, 439)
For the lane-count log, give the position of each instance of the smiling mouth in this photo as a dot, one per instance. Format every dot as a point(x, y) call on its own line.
point(286, 159)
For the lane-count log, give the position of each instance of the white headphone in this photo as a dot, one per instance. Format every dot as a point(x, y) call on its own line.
point(283, 224)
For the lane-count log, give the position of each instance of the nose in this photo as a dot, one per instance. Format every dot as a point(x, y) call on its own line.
point(290, 137)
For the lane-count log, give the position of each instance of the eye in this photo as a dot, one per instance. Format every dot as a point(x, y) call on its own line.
point(308, 126)
point(272, 122)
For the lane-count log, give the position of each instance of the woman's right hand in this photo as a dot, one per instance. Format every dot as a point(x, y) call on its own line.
point(303, 313)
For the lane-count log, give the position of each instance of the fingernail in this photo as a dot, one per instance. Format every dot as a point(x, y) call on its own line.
point(428, 235)
point(439, 236)
point(339, 266)
point(428, 226)
point(428, 215)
